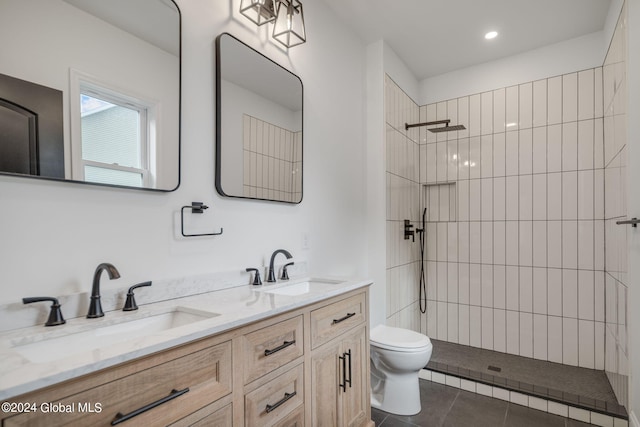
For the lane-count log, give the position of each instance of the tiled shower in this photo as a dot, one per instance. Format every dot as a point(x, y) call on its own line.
point(523, 255)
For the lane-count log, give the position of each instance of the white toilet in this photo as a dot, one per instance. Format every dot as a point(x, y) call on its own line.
point(397, 355)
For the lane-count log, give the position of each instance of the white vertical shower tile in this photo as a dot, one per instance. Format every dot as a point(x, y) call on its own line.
point(432, 318)
point(554, 348)
point(463, 241)
point(540, 290)
point(598, 194)
point(512, 242)
point(526, 289)
point(452, 114)
point(513, 332)
point(525, 149)
point(442, 164)
point(585, 194)
point(486, 285)
point(474, 157)
point(442, 241)
point(526, 105)
point(474, 115)
point(598, 93)
point(586, 144)
point(586, 95)
point(570, 146)
point(486, 113)
point(443, 200)
point(475, 323)
point(540, 337)
point(499, 199)
point(499, 242)
point(463, 324)
point(486, 156)
point(452, 282)
point(570, 341)
point(526, 334)
point(486, 201)
point(431, 158)
point(599, 332)
point(475, 197)
point(540, 103)
point(539, 197)
point(554, 196)
point(570, 293)
point(442, 320)
point(525, 191)
point(499, 286)
point(475, 247)
point(586, 295)
point(463, 200)
point(570, 97)
point(463, 283)
point(487, 242)
point(554, 244)
point(452, 323)
point(570, 244)
point(554, 291)
point(586, 245)
point(499, 154)
point(500, 330)
point(487, 328)
point(539, 150)
point(463, 158)
point(499, 110)
point(599, 240)
point(512, 198)
point(554, 100)
point(452, 237)
point(511, 153)
point(463, 116)
point(512, 280)
point(569, 195)
point(512, 105)
point(554, 148)
point(432, 247)
point(539, 243)
point(526, 243)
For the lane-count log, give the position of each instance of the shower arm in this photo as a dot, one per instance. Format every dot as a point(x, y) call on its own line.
point(446, 122)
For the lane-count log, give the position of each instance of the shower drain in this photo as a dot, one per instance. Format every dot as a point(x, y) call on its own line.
point(494, 368)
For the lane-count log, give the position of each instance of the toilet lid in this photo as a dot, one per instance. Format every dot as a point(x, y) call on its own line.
point(398, 338)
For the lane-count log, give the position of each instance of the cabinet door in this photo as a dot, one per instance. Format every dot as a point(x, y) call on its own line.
point(325, 374)
point(354, 399)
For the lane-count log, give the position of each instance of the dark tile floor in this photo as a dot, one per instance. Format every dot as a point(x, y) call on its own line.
point(451, 407)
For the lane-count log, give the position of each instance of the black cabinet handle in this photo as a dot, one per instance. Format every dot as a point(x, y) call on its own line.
point(119, 418)
point(280, 347)
point(348, 353)
point(281, 402)
point(342, 319)
point(343, 386)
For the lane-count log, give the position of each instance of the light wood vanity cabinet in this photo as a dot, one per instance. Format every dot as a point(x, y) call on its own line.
point(309, 366)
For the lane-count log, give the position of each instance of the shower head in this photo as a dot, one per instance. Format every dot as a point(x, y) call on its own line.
point(447, 128)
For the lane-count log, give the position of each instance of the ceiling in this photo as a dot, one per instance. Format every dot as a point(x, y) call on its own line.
point(434, 37)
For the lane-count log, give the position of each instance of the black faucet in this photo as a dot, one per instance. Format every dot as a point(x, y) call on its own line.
point(271, 276)
point(55, 315)
point(95, 308)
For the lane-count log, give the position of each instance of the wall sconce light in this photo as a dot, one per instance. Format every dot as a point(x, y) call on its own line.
point(258, 11)
point(289, 25)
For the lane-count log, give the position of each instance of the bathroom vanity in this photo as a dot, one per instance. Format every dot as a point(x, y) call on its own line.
point(283, 355)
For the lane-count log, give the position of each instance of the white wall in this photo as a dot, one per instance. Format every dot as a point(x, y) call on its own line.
point(53, 235)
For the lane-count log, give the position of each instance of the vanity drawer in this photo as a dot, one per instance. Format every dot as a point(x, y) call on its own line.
point(269, 348)
point(178, 386)
point(271, 404)
point(330, 321)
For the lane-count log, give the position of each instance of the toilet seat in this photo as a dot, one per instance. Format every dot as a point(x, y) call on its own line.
point(399, 339)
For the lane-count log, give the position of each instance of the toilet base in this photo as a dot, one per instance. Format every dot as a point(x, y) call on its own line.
point(401, 395)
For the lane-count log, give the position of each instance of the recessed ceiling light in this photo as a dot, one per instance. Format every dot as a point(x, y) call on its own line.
point(491, 35)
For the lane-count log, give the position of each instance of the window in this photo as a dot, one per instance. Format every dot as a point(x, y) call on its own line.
point(114, 143)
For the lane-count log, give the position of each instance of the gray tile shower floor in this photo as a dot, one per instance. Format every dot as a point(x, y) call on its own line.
point(451, 407)
point(585, 388)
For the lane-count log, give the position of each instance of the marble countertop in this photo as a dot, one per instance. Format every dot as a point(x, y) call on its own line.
point(38, 356)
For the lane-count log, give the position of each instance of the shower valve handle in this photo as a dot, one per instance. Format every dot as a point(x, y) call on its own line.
point(408, 232)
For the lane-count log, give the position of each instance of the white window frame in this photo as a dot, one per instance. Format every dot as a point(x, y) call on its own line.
point(82, 83)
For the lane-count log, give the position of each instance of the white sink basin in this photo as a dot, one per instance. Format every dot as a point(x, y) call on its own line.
point(299, 288)
point(47, 348)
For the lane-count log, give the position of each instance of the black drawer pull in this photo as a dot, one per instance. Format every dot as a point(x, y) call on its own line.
point(348, 353)
point(343, 386)
point(280, 347)
point(119, 418)
point(281, 402)
point(349, 315)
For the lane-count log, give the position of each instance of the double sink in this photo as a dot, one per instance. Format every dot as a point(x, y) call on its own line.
point(61, 342)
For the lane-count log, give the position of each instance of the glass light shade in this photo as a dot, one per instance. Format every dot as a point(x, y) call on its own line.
point(258, 11)
point(289, 26)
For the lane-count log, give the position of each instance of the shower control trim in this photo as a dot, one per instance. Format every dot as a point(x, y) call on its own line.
point(409, 233)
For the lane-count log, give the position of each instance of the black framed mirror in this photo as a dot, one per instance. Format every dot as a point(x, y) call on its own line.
point(105, 78)
point(259, 126)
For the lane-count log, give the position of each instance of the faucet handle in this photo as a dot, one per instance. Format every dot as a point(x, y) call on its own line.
point(285, 274)
point(130, 304)
point(256, 278)
point(55, 315)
